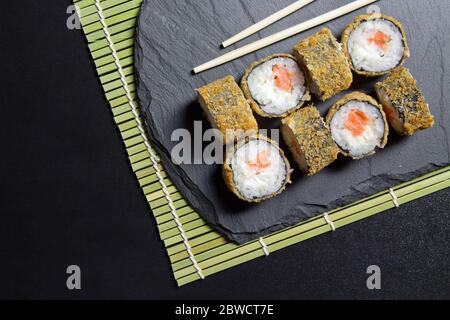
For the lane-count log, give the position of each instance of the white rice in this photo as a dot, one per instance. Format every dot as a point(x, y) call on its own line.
point(271, 99)
point(250, 183)
point(368, 140)
point(366, 55)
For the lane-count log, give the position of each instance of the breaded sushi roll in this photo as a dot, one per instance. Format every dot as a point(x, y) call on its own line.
point(227, 109)
point(375, 44)
point(309, 140)
point(275, 86)
point(256, 169)
point(358, 125)
point(327, 69)
point(403, 102)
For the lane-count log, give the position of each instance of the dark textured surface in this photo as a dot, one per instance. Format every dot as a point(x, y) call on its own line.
point(173, 37)
point(69, 197)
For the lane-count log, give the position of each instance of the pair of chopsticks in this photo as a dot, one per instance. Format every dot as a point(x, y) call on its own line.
point(267, 41)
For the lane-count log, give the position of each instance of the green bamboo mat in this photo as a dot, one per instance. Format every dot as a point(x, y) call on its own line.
point(195, 250)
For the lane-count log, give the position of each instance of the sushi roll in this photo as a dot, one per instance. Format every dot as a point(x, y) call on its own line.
point(327, 69)
point(375, 44)
point(256, 169)
point(403, 102)
point(309, 140)
point(275, 86)
point(227, 109)
point(358, 125)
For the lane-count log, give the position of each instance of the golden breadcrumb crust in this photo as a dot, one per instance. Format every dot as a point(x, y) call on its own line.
point(227, 108)
point(328, 71)
point(227, 170)
point(406, 97)
point(255, 106)
point(312, 139)
point(352, 26)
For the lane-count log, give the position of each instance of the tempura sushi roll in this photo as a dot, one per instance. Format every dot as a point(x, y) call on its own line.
point(256, 169)
point(327, 69)
point(275, 86)
point(375, 44)
point(227, 109)
point(403, 102)
point(309, 140)
point(358, 125)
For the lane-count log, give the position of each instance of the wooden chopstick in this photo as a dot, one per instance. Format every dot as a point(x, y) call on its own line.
point(252, 47)
point(266, 22)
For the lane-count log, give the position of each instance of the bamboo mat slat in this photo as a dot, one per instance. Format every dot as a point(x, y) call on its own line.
point(212, 252)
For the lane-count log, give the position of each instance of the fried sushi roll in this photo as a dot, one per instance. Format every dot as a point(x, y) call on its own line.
point(275, 86)
point(375, 44)
point(309, 140)
point(358, 125)
point(256, 169)
point(327, 69)
point(403, 102)
point(227, 109)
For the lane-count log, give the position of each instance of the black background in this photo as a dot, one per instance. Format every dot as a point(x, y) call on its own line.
point(68, 196)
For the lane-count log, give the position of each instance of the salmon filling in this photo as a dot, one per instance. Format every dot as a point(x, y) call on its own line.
point(261, 162)
point(381, 40)
point(356, 122)
point(282, 78)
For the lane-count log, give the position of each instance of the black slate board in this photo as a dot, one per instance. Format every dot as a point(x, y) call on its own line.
point(175, 36)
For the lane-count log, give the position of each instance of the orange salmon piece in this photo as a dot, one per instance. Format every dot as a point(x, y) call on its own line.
point(356, 122)
point(283, 78)
point(262, 162)
point(380, 39)
point(390, 114)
